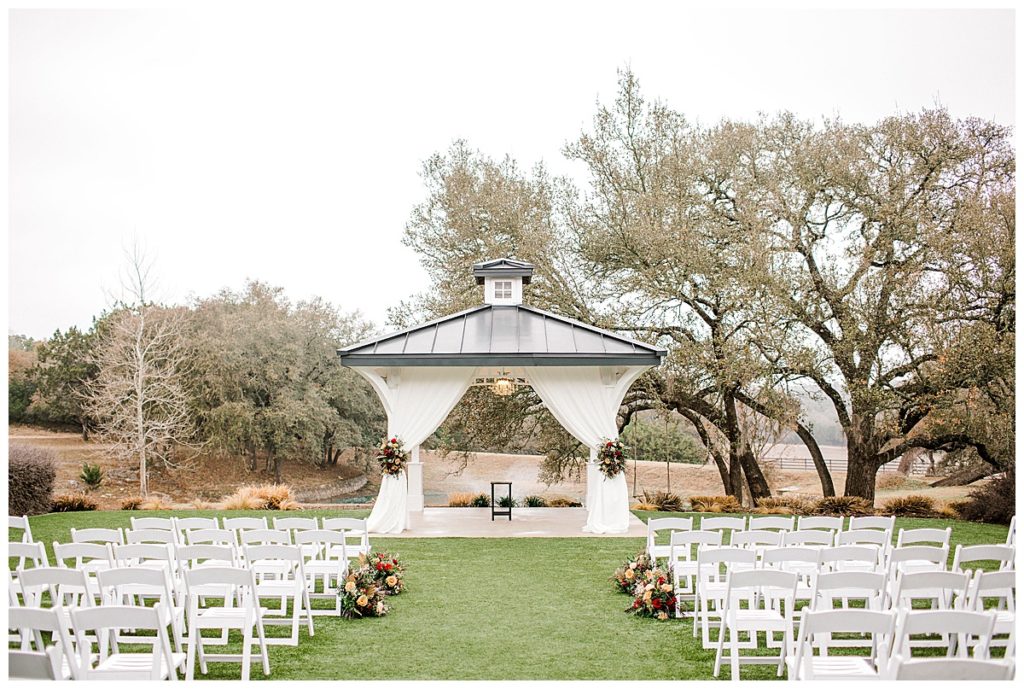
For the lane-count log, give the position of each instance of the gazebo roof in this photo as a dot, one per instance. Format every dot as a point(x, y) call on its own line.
point(496, 335)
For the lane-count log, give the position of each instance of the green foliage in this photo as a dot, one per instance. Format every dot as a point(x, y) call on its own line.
point(660, 442)
point(506, 501)
point(993, 501)
point(64, 370)
point(534, 501)
point(92, 475)
point(481, 501)
point(31, 472)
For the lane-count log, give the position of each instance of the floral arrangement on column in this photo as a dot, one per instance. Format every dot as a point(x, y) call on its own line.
point(387, 571)
point(611, 457)
point(392, 457)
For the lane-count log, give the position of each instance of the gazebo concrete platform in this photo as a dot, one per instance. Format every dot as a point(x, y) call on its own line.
point(527, 522)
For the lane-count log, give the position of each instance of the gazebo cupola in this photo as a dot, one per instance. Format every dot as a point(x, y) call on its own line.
point(503, 280)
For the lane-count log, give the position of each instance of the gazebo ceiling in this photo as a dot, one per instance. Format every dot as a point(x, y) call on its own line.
point(500, 335)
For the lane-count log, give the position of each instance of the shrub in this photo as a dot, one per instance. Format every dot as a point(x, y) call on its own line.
point(534, 501)
point(666, 502)
point(156, 502)
point(894, 480)
point(715, 503)
point(561, 501)
point(992, 501)
point(31, 473)
point(645, 507)
point(91, 475)
point(73, 502)
point(480, 500)
point(844, 506)
point(506, 501)
point(132, 503)
point(265, 497)
point(460, 499)
point(785, 504)
point(909, 506)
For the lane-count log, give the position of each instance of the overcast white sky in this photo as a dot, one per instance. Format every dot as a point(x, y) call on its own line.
point(285, 144)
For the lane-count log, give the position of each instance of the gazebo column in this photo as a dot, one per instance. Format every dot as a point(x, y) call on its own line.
point(414, 470)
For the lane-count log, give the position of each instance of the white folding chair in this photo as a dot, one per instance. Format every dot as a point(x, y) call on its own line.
point(125, 586)
point(158, 663)
point(264, 537)
point(30, 556)
point(211, 537)
point(44, 664)
point(183, 524)
point(353, 529)
point(852, 558)
point(917, 558)
point(833, 524)
point(159, 523)
point(206, 555)
point(683, 562)
point(235, 585)
point(88, 558)
point(1011, 535)
point(769, 596)
point(280, 574)
point(959, 630)
point(165, 536)
point(243, 523)
point(1000, 589)
point(972, 554)
point(31, 623)
point(667, 524)
point(816, 632)
point(158, 556)
point(772, 523)
point(864, 537)
point(940, 537)
point(756, 541)
point(808, 538)
point(713, 568)
point(723, 524)
point(295, 523)
point(23, 524)
point(940, 590)
point(868, 587)
point(325, 559)
point(111, 536)
point(887, 524)
point(67, 588)
point(953, 669)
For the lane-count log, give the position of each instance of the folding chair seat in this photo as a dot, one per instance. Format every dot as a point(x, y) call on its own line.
point(817, 627)
point(115, 663)
point(280, 574)
point(111, 536)
point(29, 624)
point(999, 588)
point(833, 524)
point(353, 529)
point(23, 665)
point(771, 523)
point(325, 559)
point(972, 554)
point(954, 669)
point(723, 524)
point(811, 538)
point(940, 537)
point(158, 523)
point(669, 525)
point(165, 536)
point(769, 596)
point(239, 610)
point(959, 629)
point(125, 586)
point(682, 561)
point(886, 524)
point(917, 558)
point(713, 568)
point(23, 524)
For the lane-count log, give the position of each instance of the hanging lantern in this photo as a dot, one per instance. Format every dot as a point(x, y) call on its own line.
point(503, 385)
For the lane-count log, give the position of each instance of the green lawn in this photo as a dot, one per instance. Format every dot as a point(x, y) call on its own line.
point(495, 609)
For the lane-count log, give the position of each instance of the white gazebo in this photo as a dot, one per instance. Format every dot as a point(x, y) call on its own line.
point(580, 372)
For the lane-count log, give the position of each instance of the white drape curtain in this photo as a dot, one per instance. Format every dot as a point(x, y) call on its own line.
point(586, 400)
point(416, 399)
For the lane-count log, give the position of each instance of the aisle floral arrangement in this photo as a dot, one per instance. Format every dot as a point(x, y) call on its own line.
point(387, 571)
point(392, 457)
point(654, 596)
point(360, 596)
point(632, 571)
point(611, 457)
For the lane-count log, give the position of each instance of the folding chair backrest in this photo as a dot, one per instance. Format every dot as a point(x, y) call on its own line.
point(34, 664)
point(849, 620)
point(133, 581)
point(23, 524)
point(182, 524)
point(808, 537)
point(836, 556)
point(670, 524)
point(949, 622)
point(295, 523)
point(826, 523)
point(97, 536)
point(264, 537)
point(134, 554)
point(196, 556)
point(768, 583)
point(962, 669)
point(682, 542)
point(917, 536)
point(32, 622)
point(321, 537)
point(212, 536)
point(1000, 585)
point(790, 554)
point(710, 562)
point(290, 553)
point(861, 536)
point(873, 523)
point(117, 617)
point(34, 582)
point(31, 553)
point(919, 553)
point(151, 536)
point(161, 523)
point(867, 586)
point(771, 523)
point(747, 539)
point(723, 523)
point(344, 524)
point(220, 576)
point(970, 554)
point(82, 553)
point(244, 523)
point(911, 586)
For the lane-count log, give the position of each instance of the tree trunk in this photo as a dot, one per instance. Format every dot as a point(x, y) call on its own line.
point(336, 457)
point(85, 431)
point(732, 429)
point(861, 467)
point(277, 469)
point(757, 484)
point(966, 476)
point(828, 489)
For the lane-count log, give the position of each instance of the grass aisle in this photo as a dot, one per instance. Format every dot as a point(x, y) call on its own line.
point(495, 609)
